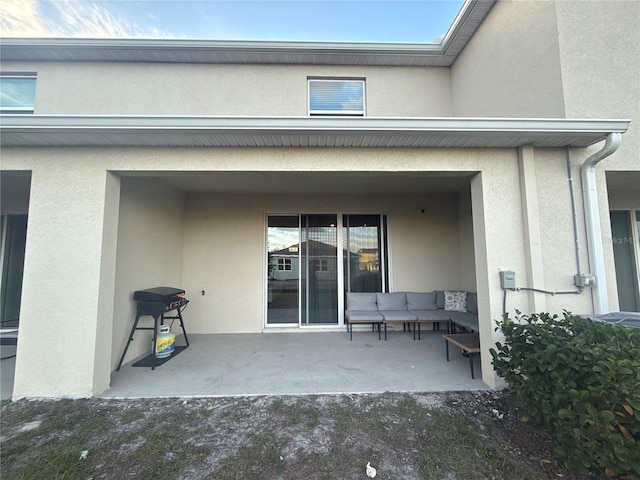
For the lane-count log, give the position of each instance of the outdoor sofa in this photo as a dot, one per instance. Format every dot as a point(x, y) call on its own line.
point(457, 309)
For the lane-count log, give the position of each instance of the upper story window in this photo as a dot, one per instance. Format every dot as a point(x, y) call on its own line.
point(17, 92)
point(336, 97)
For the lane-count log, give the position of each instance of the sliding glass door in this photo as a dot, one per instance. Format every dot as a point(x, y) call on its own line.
point(319, 260)
point(283, 269)
point(307, 272)
point(365, 259)
point(625, 253)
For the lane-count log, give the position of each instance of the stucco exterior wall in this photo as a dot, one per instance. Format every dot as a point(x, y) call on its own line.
point(225, 249)
point(150, 254)
point(198, 89)
point(558, 243)
point(511, 66)
point(600, 60)
point(66, 315)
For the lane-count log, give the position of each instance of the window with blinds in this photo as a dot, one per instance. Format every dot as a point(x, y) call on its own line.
point(336, 97)
point(17, 93)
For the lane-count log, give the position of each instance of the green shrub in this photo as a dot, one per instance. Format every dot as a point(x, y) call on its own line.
point(581, 378)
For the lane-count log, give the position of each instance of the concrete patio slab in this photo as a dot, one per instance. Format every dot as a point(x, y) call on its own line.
point(306, 362)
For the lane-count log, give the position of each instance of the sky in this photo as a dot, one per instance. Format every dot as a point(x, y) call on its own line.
point(386, 21)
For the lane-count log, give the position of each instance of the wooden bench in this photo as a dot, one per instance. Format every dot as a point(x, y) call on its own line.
point(468, 342)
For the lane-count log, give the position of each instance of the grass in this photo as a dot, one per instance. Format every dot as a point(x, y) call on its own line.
point(255, 438)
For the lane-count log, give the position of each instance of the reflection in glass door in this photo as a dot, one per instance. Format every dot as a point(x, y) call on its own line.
point(283, 269)
point(365, 259)
point(624, 254)
point(319, 261)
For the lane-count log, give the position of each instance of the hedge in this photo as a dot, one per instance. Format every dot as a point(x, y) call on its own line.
point(582, 379)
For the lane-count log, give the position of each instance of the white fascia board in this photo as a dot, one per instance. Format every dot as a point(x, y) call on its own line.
point(76, 130)
point(226, 45)
point(313, 124)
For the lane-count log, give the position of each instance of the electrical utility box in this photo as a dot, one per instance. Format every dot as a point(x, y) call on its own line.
point(584, 280)
point(508, 280)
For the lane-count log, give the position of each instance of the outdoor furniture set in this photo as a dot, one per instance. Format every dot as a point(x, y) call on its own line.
point(456, 309)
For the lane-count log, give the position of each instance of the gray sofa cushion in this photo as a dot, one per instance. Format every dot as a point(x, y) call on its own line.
point(472, 303)
point(363, 316)
point(421, 301)
point(440, 299)
point(398, 316)
point(361, 301)
point(430, 315)
point(392, 301)
point(464, 319)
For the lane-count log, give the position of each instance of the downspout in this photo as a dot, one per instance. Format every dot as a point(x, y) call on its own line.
point(592, 221)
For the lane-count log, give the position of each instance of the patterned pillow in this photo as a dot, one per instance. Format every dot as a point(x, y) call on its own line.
point(455, 301)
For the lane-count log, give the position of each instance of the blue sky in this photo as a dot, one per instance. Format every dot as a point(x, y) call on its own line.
point(394, 21)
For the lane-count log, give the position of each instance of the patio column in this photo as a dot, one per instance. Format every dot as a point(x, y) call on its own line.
point(64, 346)
point(531, 219)
point(497, 233)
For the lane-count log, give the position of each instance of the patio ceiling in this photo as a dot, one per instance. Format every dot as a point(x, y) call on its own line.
point(313, 183)
point(361, 132)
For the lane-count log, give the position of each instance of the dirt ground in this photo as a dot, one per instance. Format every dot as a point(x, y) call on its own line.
point(453, 436)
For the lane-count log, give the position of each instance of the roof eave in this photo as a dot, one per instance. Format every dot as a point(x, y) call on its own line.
point(464, 26)
point(185, 131)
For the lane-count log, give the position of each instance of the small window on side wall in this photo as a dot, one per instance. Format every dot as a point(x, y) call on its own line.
point(336, 97)
point(17, 93)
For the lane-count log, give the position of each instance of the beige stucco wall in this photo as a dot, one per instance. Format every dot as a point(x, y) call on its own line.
point(557, 237)
point(600, 60)
point(224, 249)
point(198, 89)
point(150, 254)
point(511, 66)
point(66, 316)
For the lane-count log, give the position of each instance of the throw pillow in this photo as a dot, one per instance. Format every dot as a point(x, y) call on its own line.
point(455, 301)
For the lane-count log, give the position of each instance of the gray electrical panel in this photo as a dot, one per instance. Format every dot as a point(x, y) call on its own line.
point(584, 280)
point(508, 280)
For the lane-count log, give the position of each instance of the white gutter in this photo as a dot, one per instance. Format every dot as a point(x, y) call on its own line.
point(195, 131)
point(592, 220)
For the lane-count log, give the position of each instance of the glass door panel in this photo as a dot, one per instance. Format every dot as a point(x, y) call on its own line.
point(364, 259)
point(319, 272)
point(15, 237)
point(625, 261)
point(283, 270)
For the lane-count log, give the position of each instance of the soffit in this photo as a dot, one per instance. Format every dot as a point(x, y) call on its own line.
point(237, 52)
point(336, 132)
